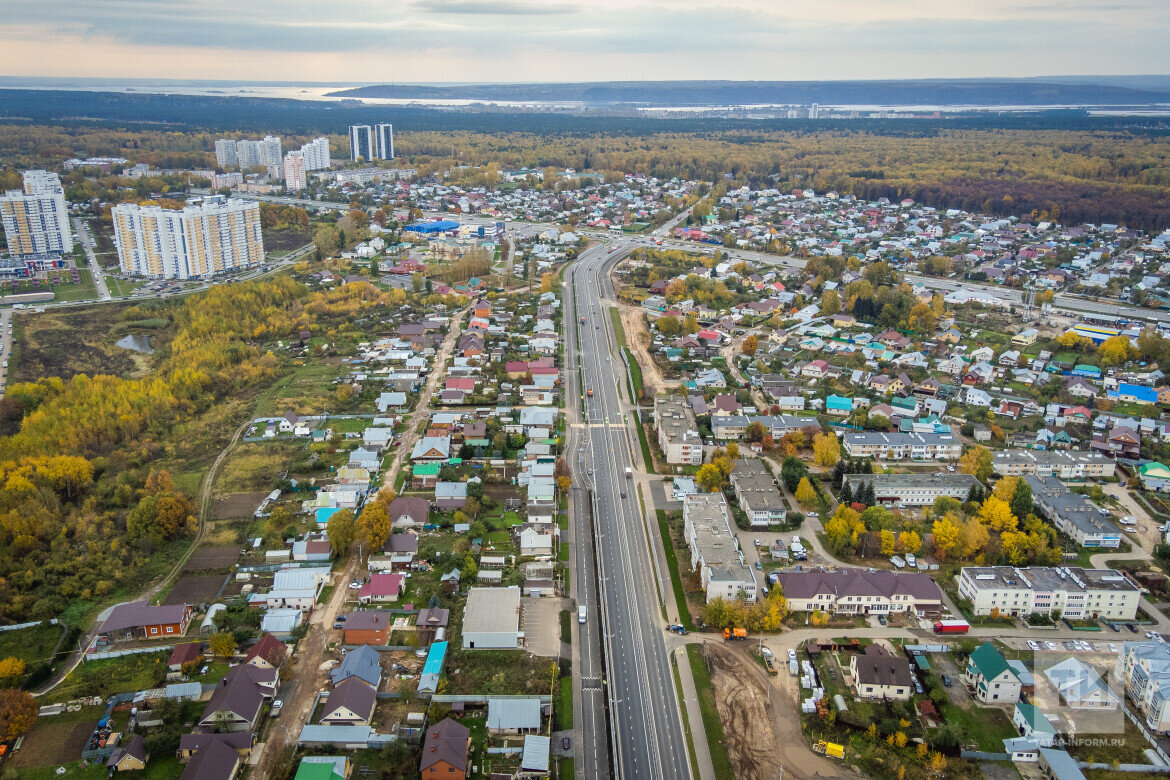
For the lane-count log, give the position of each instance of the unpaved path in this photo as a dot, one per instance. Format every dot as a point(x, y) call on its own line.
point(438, 370)
point(761, 725)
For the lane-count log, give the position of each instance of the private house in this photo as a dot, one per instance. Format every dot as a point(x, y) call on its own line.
point(236, 702)
point(351, 703)
point(365, 627)
point(139, 620)
point(216, 760)
point(239, 741)
point(444, 751)
point(1134, 394)
point(362, 663)
point(513, 716)
point(816, 369)
point(989, 676)
point(268, 653)
point(130, 757)
point(432, 448)
point(1080, 686)
point(382, 588)
point(1030, 722)
point(189, 653)
point(397, 553)
point(451, 495)
point(409, 511)
point(879, 675)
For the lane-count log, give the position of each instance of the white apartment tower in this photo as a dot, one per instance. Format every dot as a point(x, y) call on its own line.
point(361, 143)
point(270, 155)
point(316, 154)
point(247, 154)
point(384, 135)
point(294, 171)
point(36, 220)
point(225, 153)
point(204, 239)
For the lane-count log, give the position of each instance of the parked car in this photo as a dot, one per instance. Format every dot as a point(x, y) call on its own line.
point(946, 680)
point(882, 620)
point(1050, 645)
point(1033, 645)
point(759, 566)
point(1132, 628)
point(565, 743)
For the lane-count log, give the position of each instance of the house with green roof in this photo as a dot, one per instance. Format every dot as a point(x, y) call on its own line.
point(1155, 476)
point(323, 768)
point(990, 677)
point(1031, 722)
point(424, 475)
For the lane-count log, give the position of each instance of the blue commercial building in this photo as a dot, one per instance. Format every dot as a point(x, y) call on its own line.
point(1139, 394)
point(439, 226)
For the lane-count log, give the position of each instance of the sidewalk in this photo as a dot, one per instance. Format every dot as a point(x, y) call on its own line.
point(690, 700)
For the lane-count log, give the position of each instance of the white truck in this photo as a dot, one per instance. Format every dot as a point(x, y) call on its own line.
point(629, 472)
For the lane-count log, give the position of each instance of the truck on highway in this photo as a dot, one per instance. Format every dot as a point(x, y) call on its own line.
point(629, 472)
point(952, 627)
point(734, 633)
point(589, 392)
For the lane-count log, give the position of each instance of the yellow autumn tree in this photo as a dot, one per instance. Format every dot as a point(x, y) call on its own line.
point(909, 541)
point(946, 536)
point(1005, 489)
point(973, 538)
point(806, 494)
point(826, 449)
point(977, 461)
point(889, 541)
point(997, 515)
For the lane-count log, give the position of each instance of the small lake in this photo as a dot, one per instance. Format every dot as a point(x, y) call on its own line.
point(137, 342)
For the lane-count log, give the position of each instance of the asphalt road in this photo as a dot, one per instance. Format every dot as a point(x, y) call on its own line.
point(99, 276)
point(643, 705)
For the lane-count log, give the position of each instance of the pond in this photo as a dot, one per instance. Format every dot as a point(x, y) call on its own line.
point(137, 342)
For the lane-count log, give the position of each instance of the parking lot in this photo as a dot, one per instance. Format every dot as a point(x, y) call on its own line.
point(541, 624)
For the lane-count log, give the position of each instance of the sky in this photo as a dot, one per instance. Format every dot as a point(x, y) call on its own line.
point(386, 41)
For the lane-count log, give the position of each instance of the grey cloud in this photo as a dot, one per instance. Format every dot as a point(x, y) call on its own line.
point(494, 7)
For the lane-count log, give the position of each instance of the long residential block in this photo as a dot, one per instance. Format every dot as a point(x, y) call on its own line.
point(1144, 669)
point(757, 494)
point(213, 237)
point(678, 433)
point(859, 591)
point(734, 427)
point(913, 489)
point(1073, 515)
point(715, 552)
point(1078, 594)
point(1066, 464)
point(902, 446)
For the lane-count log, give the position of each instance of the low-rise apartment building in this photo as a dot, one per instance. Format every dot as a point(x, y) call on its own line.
point(1078, 594)
point(1066, 464)
point(879, 675)
point(757, 494)
point(1144, 669)
point(1072, 514)
point(715, 553)
point(902, 446)
point(913, 489)
point(859, 591)
point(734, 427)
point(678, 433)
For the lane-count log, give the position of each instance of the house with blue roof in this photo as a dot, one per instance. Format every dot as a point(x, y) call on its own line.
point(839, 405)
point(1134, 394)
point(428, 681)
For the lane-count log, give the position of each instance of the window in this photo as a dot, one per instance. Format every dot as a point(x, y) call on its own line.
point(153, 630)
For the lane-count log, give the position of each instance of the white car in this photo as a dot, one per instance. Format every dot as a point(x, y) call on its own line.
point(1050, 645)
point(355, 585)
point(791, 655)
point(1033, 645)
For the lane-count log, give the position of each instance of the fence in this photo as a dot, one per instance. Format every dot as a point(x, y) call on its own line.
point(18, 626)
point(1145, 769)
point(482, 698)
point(1135, 720)
point(979, 755)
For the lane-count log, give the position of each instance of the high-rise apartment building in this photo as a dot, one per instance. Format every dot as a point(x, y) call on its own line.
point(294, 171)
point(316, 154)
point(247, 154)
point(384, 135)
point(225, 153)
point(361, 143)
point(203, 239)
point(270, 154)
point(36, 220)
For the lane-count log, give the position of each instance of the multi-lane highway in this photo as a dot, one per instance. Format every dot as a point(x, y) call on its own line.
point(622, 599)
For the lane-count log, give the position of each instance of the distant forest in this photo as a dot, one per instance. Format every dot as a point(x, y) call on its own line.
point(1050, 165)
point(929, 92)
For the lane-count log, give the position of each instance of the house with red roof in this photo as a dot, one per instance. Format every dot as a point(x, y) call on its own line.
point(268, 653)
point(189, 653)
point(382, 587)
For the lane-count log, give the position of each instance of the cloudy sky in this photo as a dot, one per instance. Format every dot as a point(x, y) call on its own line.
point(547, 40)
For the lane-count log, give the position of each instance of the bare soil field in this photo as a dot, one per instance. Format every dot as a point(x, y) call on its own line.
point(637, 337)
point(195, 589)
point(235, 506)
point(52, 743)
point(209, 558)
point(762, 732)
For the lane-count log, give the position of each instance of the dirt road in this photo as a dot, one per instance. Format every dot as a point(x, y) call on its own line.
point(306, 669)
point(761, 729)
point(438, 371)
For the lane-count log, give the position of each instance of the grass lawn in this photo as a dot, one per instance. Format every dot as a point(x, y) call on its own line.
point(686, 720)
point(680, 598)
point(255, 467)
point(72, 770)
point(618, 331)
point(986, 727)
point(720, 761)
point(498, 672)
point(122, 287)
point(564, 704)
point(31, 645)
point(566, 626)
point(112, 675)
point(635, 373)
point(326, 594)
point(646, 459)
